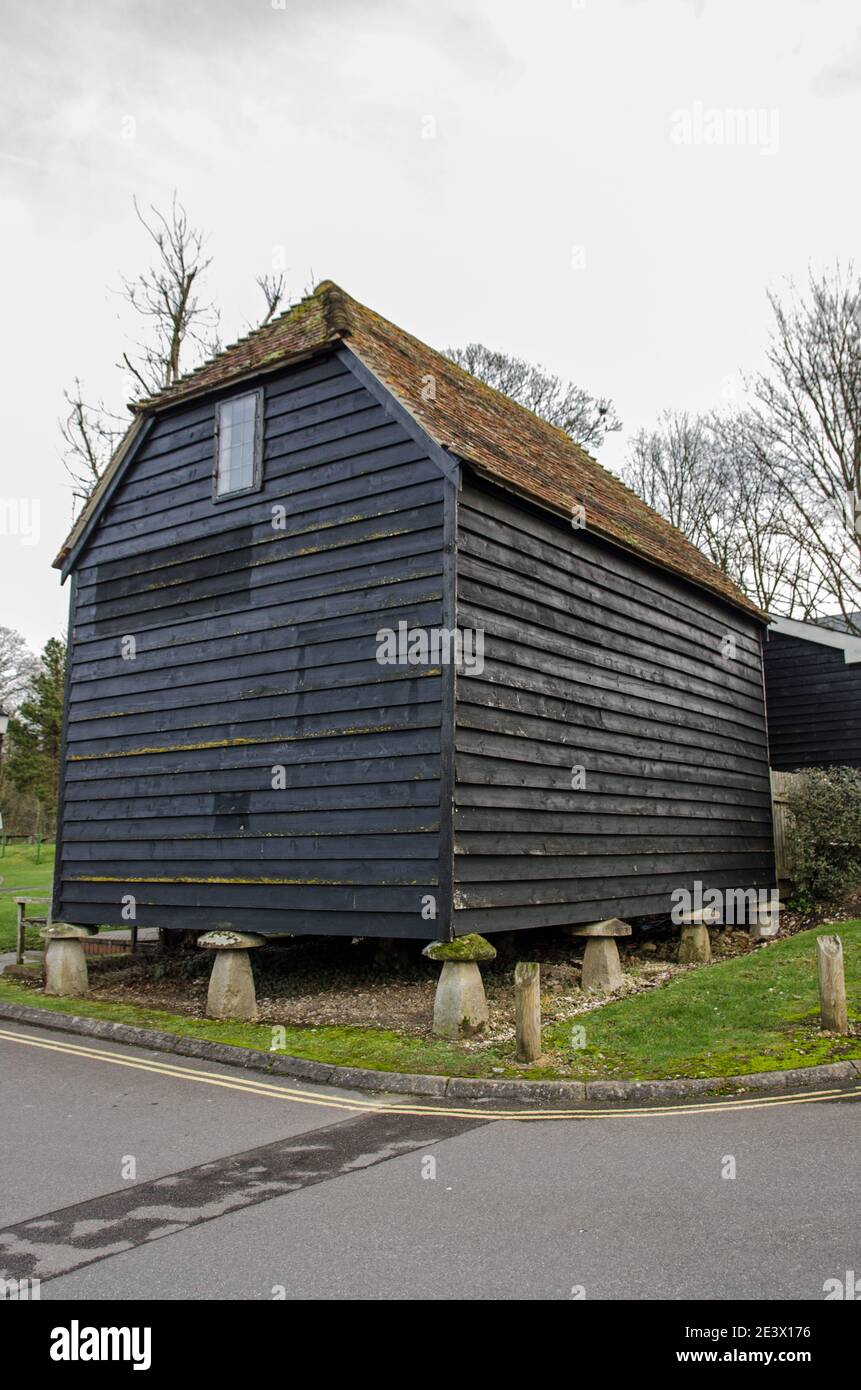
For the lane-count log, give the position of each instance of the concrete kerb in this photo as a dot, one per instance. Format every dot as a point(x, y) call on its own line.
point(440, 1087)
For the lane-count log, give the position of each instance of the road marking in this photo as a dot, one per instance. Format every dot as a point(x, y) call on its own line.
point(319, 1098)
point(57, 1242)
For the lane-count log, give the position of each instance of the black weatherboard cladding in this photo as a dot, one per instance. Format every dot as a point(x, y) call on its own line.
point(594, 659)
point(814, 704)
point(255, 648)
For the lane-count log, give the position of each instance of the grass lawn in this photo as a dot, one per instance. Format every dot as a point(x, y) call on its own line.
point(348, 1047)
point(22, 878)
point(757, 1012)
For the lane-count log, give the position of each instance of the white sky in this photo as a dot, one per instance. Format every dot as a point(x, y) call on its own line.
point(302, 127)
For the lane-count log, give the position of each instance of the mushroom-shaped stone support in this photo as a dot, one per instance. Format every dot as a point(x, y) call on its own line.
point(764, 919)
point(231, 984)
point(602, 969)
point(460, 1007)
point(65, 962)
point(695, 947)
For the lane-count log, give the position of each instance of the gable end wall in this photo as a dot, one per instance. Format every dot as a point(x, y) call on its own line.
point(255, 648)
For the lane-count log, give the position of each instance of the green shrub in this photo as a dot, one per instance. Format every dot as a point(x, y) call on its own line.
point(825, 839)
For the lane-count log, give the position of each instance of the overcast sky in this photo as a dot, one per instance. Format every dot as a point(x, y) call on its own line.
point(563, 180)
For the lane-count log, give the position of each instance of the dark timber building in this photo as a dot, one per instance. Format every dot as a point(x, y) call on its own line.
point(813, 692)
point(262, 726)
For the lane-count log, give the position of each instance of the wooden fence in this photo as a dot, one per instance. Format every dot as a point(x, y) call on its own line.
point(782, 784)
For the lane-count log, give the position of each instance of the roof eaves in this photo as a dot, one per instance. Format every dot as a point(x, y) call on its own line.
point(157, 405)
point(137, 427)
point(740, 601)
point(847, 642)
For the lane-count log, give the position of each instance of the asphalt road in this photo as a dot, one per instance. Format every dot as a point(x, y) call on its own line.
point(131, 1174)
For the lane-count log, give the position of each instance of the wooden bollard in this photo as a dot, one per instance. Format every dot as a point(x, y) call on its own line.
point(832, 984)
point(527, 1010)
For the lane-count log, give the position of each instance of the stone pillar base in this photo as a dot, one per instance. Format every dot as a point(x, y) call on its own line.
point(231, 991)
point(460, 1006)
point(764, 922)
point(695, 948)
point(65, 962)
point(602, 969)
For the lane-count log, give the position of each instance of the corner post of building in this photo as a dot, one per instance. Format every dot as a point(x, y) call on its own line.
point(460, 1005)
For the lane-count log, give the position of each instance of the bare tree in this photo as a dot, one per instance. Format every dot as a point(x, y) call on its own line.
point(179, 324)
point(768, 558)
point(166, 297)
point(90, 435)
point(703, 475)
point(805, 430)
point(672, 468)
point(587, 419)
point(273, 288)
point(18, 666)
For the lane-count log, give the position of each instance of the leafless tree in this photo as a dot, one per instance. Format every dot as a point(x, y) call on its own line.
point(671, 468)
point(587, 419)
point(767, 556)
point(703, 475)
point(18, 665)
point(805, 429)
point(90, 435)
point(166, 297)
point(273, 287)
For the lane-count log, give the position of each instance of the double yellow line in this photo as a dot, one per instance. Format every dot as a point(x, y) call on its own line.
point(357, 1105)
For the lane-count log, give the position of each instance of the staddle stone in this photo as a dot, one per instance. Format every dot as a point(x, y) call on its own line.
point(65, 962)
point(610, 926)
point(460, 1005)
point(602, 969)
point(463, 948)
point(228, 940)
point(231, 991)
point(695, 948)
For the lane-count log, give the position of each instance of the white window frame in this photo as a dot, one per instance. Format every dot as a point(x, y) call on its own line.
point(257, 467)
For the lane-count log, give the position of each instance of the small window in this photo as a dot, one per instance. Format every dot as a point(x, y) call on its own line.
point(239, 444)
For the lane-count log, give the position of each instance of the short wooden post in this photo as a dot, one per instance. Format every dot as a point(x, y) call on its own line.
point(832, 984)
point(527, 1010)
point(19, 932)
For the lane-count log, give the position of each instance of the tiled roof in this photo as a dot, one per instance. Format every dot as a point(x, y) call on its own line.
point(496, 436)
